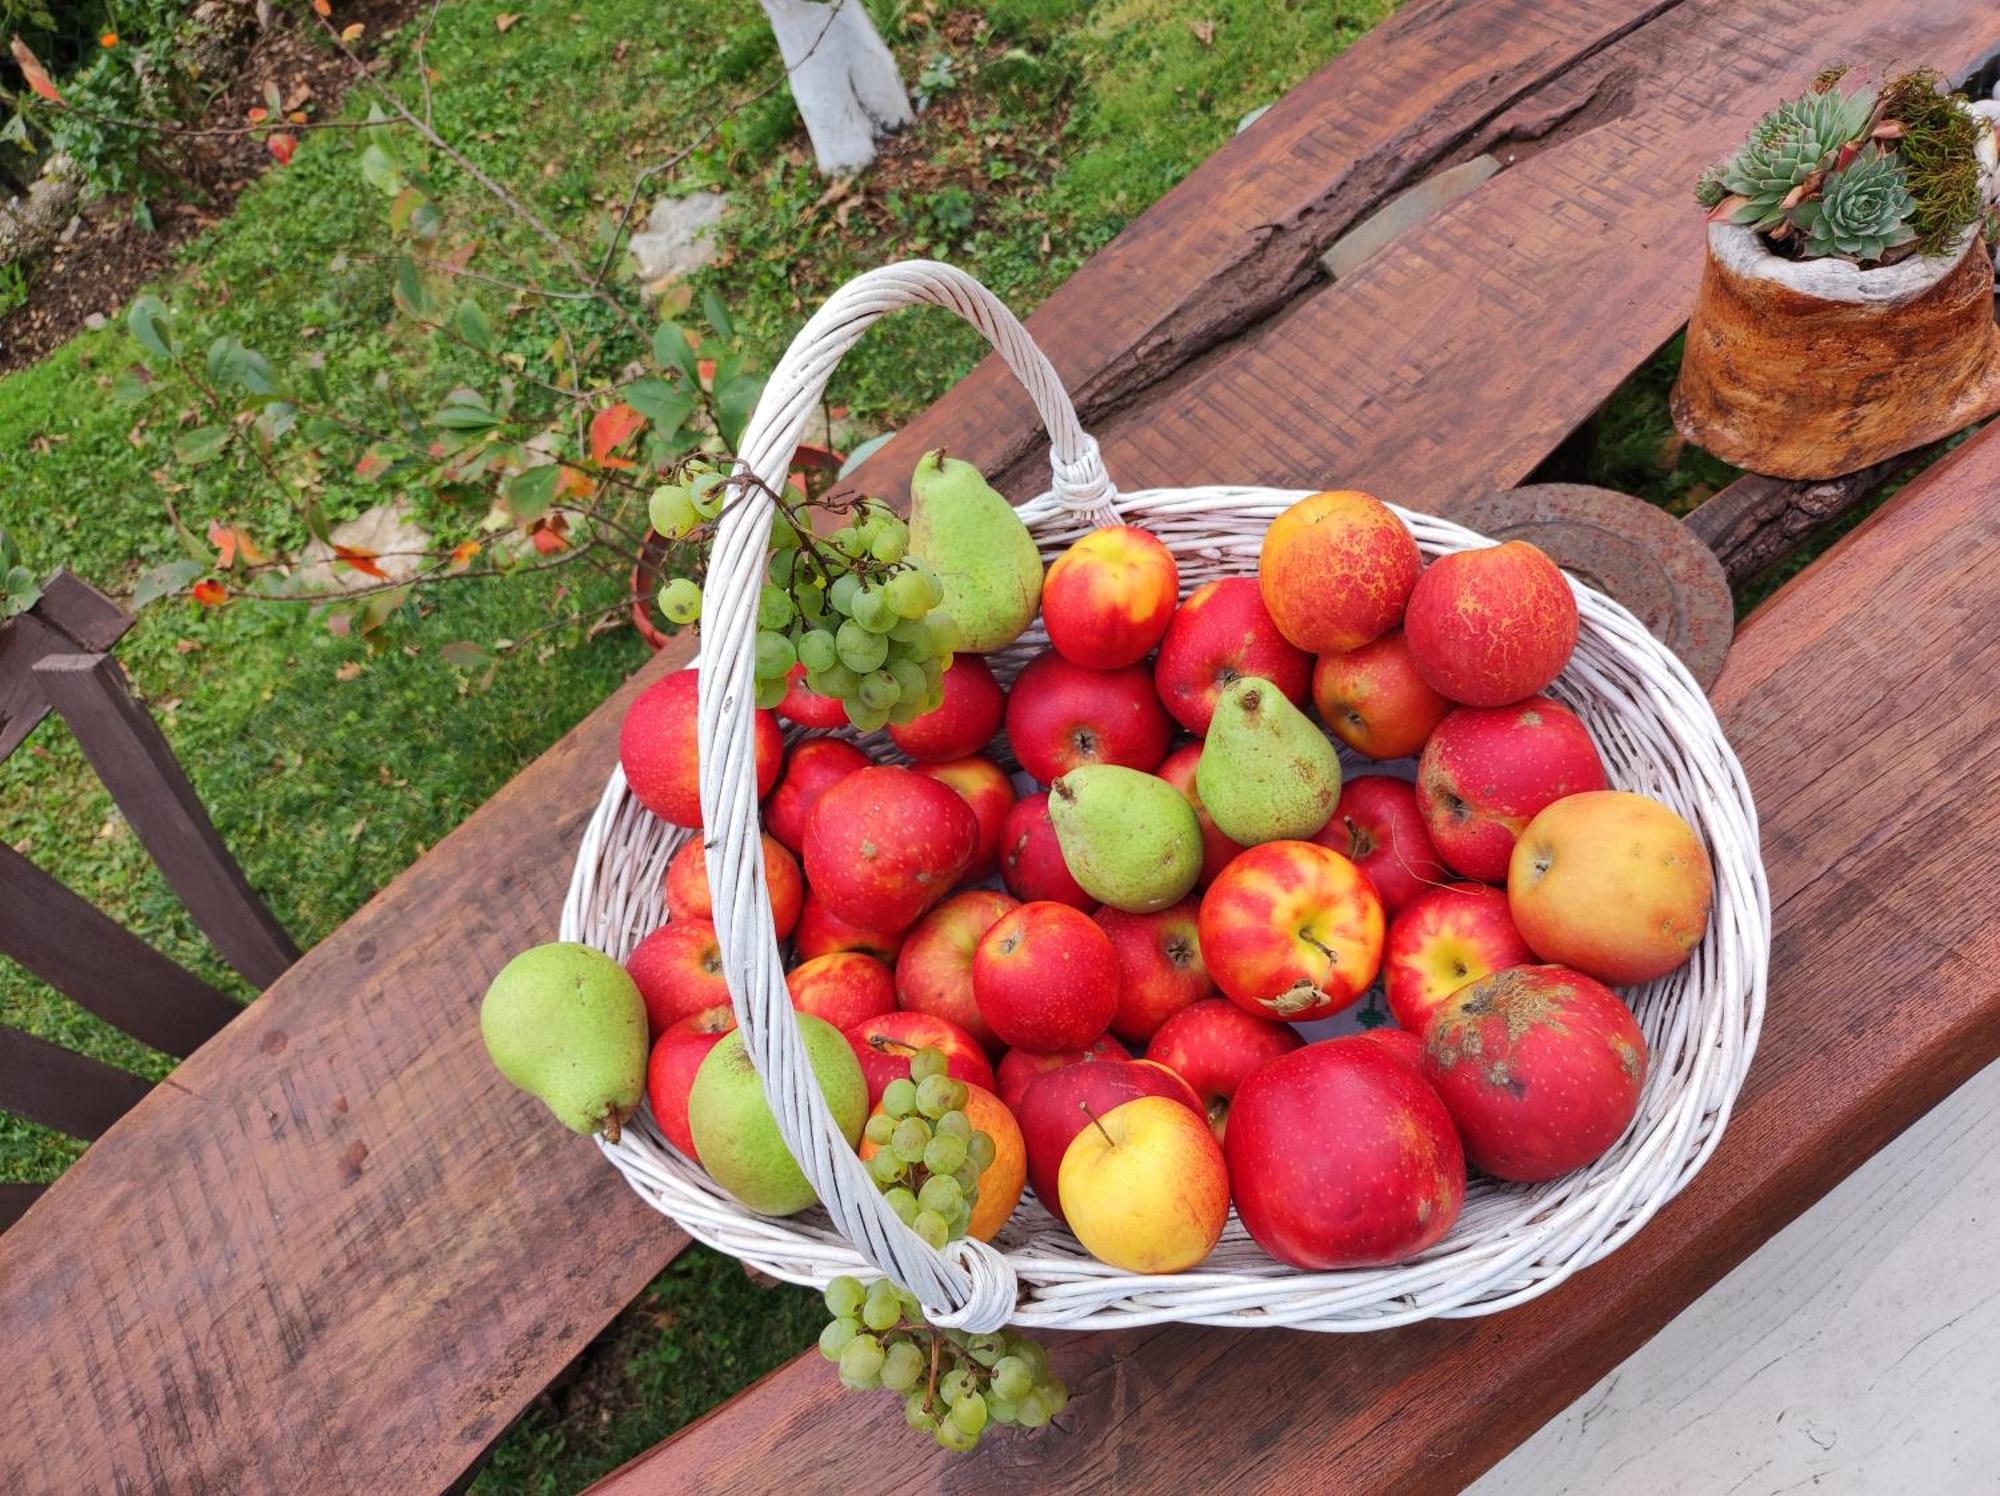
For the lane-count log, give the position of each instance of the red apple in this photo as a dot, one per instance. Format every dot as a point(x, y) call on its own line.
point(1217, 848)
point(1487, 771)
point(1493, 625)
point(984, 785)
point(934, 971)
point(1404, 1046)
point(1019, 1068)
point(687, 884)
point(1223, 631)
point(1031, 861)
point(964, 722)
point(885, 844)
point(807, 707)
point(1443, 940)
point(810, 768)
point(1046, 978)
point(678, 970)
point(1215, 1046)
point(884, 1046)
point(844, 988)
point(1340, 1156)
point(656, 745)
point(1053, 1110)
point(1107, 599)
point(1378, 827)
point(670, 1071)
point(1374, 700)
point(1160, 969)
point(1336, 570)
point(821, 932)
point(1541, 1068)
point(1060, 715)
point(1292, 930)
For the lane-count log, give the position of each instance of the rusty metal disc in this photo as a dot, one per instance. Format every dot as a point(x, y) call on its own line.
point(1623, 546)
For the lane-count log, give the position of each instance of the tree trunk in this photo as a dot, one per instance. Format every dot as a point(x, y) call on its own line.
point(843, 78)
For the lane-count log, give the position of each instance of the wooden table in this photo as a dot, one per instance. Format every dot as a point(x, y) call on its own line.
point(335, 1252)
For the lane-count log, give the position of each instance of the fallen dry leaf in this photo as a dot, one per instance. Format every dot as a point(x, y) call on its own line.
point(505, 21)
point(1204, 32)
point(350, 671)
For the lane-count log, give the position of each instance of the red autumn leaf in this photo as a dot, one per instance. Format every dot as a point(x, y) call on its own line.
point(256, 114)
point(224, 540)
point(546, 534)
point(32, 70)
point(282, 145)
point(322, 8)
point(372, 462)
point(361, 559)
point(574, 482)
point(610, 429)
point(351, 33)
point(210, 593)
point(704, 369)
point(462, 554)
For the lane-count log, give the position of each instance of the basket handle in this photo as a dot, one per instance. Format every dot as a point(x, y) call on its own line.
point(969, 1285)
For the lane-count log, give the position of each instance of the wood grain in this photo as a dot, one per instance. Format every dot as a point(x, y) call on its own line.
point(334, 1250)
point(1845, 697)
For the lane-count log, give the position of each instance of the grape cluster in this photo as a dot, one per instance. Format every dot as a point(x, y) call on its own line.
point(927, 1161)
point(954, 1384)
point(853, 607)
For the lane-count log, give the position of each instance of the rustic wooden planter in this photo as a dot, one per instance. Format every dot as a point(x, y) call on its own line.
point(1813, 368)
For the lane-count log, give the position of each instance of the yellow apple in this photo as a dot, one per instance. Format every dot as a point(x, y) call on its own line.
point(1612, 884)
point(1144, 1186)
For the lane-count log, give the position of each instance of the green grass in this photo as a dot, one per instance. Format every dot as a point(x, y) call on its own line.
point(1053, 123)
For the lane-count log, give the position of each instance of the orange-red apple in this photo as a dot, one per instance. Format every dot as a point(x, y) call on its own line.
point(934, 970)
point(1336, 570)
point(656, 746)
point(678, 971)
point(820, 932)
point(1031, 860)
point(885, 1043)
point(1160, 970)
point(1046, 978)
point(1106, 600)
point(1442, 941)
point(1060, 716)
point(844, 988)
point(810, 768)
point(1292, 930)
point(686, 883)
point(1222, 631)
point(885, 844)
point(1614, 884)
point(984, 786)
point(1373, 699)
point(1215, 1046)
point(1020, 1068)
point(1144, 1187)
point(963, 723)
point(1493, 625)
point(1486, 772)
point(1377, 826)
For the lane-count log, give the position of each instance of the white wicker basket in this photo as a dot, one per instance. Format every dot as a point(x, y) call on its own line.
point(1512, 1242)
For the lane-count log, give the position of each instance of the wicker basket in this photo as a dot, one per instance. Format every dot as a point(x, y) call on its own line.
point(1512, 1242)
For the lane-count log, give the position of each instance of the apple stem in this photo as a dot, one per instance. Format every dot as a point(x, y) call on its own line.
point(1317, 944)
point(885, 1044)
point(1084, 1107)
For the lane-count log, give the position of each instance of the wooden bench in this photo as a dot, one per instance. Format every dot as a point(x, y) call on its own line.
point(338, 1252)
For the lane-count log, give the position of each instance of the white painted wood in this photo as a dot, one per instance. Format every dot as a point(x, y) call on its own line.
point(1857, 1351)
point(843, 79)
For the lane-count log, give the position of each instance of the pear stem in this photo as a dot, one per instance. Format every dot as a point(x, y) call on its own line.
point(1084, 1107)
point(610, 1129)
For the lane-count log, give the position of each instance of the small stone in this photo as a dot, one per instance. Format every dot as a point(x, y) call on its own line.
point(676, 240)
point(387, 531)
point(94, 321)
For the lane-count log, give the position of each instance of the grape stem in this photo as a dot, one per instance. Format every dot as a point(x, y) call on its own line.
point(930, 1387)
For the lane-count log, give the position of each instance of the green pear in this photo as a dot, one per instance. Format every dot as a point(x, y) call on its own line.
point(737, 1137)
point(1266, 772)
point(1129, 839)
point(565, 1023)
point(972, 538)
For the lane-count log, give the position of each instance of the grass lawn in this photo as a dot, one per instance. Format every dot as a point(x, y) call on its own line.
point(328, 766)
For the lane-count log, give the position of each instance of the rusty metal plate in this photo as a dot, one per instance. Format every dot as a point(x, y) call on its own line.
point(1623, 546)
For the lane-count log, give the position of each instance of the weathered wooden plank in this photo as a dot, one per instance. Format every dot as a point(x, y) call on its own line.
point(334, 1250)
point(1241, 236)
point(133, 759)
point(76, 949)
point(1845, 698)
point(62, 1089)
point(70, 615)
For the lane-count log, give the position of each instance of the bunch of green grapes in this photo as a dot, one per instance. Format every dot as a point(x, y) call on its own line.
point(854, 607)
point(927, 1161)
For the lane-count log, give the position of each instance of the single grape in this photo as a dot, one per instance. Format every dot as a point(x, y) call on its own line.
point(816, 650)
point(942, 1194)
point(848, 541)
point(1012, 1379)
point(912, 638)
point(833, 1339)
point(945, 1153)
point(708, 491)
point(837, 681)
point(986, 1348)
point(1032, 1411)
point(913, 1307)
point(967, 1177)
point(881, 1310)
point(944, 633)
point(909, 679)
point(671, 512)
point(879, 691)
point(680, 600)
point(979, 1148)
point(841, 593)
point(810, 596)
point(873, 611)
point(884, 1167)
point(969, 1412)
point(878, 1129)
point(959, 1096)
point(910, 1139)
point(890, 544)
point(954, 1384)
point(950, 1436)
point(999, 1409)
point(861, 1361)
point(774, 608)
point(916, 1414)
point(938, 1094)
point(770, 691)
point(954, 1124)
point(775, 655)
point(865, 718)
point(909, 597)
point(781, 568)
point(927, 1062)
point(906, 710)
point(843, 1296)
point(933, 583)
point(1030, 1353)
point(904, 1203)
point(784, 535)
point(931, 1227)
point(899, 1098)
point(902, 1366)
point(860, 651)
point(1055, 1395)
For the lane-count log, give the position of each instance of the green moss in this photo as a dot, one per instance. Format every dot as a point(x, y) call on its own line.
point(1937, 148)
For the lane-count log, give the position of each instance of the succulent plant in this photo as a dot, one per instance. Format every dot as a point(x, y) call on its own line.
point(1863, 210)
point(1787, 147)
